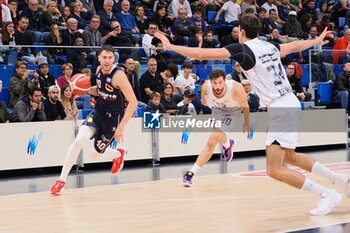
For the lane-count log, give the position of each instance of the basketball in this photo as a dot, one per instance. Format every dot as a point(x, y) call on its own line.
point(80, 84)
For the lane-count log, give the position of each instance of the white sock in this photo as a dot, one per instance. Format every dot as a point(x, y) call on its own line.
point(85, 133)
point(314, 187)
point(195, 168)
point(323, 171)
point(227, 143)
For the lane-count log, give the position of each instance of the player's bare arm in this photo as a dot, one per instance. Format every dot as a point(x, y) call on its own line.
point(301, 45)
point(120, 80)
point(204, 93)
point(241, 96)
point(195, 53)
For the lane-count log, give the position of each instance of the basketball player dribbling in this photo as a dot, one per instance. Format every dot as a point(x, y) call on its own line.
point(262, 66)
point(228, 99)
point(107, 120)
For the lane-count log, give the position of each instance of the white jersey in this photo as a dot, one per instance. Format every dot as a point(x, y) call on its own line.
point(226, 104)
point(268, 77)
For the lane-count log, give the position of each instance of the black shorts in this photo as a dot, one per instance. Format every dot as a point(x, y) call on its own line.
point(105, 124)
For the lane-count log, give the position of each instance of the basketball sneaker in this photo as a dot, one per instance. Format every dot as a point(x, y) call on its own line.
point(118, 163)
point(187, 179)
point(58, 187)
point(343, 182)
point(327, 203)
point(229, 151)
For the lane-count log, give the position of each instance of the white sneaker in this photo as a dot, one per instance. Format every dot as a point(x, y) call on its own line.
point(343, 182)
point(327, 203)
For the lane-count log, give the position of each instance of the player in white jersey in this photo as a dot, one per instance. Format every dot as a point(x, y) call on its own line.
point(227, 99)
point(262, 66)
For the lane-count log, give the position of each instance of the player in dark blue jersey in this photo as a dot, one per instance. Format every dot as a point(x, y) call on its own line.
point(107, 120)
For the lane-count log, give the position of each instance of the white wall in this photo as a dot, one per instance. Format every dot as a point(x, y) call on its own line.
point(57, 136)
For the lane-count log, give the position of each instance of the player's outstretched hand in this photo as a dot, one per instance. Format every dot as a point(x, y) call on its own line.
point(118, 135)
point(163, 38)
point(323, 35)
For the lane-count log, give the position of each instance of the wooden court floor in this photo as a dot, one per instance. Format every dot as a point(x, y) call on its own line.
point(216, 203)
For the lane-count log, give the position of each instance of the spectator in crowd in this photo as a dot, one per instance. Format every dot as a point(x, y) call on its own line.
point(275, 37)
point(150, 81)
point(199, 20)
point(26, 37)
point(231, 38)
point(127, 20)
point(176, 5)
point(306, 22)
point(167, 99)
point(340, 57)
point(342, 86)
point(19, 83)
point(170, 73)
point(209, 41)
point(232, 11)
point(107, 17)
point(154, 104)
point(4, 114)
point(147, 39)
point(44, 78)
point(163, 57)
point(249, 4)
point(296, 5)
point(84, 101)
point(70, 34)
point(309, 8)
point(51, 16)
point(134, 80)
point(8, 38)
point(237, 73)
point(120, 38)
point(267, 24)
point(197, 40)
point(68, 103)
point(5, 13)
point(13, 5)
point(268, 5)
point(184, 28)
point(185, 106)
point(53, 107)
point(316, 55)
point(323, 11)
point(185, 81)
point(273, 16)
point(65, 13)
point(29, 108)
point(162, 20)
point(141, 19)
point(82, 16)
point(253, 99)
point(88, 7)
point(57, 54)
point(292, 27)
point(34, 16)
point(284, 7)
point(295, 83)
point(325, 22)
point(78, 56)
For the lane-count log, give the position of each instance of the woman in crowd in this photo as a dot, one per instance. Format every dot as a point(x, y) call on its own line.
point(55, 55)
point(68, 103)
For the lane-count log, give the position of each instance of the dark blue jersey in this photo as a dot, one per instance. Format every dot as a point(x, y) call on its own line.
point(111, 99)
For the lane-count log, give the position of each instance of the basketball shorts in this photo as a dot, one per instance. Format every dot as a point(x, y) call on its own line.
point(228, 121)
point(284, 122)
point(105, 124)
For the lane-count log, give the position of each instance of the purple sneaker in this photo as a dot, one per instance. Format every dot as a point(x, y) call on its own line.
point(229, 151)
point(187, 180)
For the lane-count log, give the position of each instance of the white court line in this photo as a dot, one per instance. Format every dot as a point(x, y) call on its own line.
point(157, 200)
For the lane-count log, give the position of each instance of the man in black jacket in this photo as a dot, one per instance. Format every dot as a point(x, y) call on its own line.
point(342, 86)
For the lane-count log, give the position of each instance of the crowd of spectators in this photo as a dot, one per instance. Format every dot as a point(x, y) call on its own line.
point(82, 26)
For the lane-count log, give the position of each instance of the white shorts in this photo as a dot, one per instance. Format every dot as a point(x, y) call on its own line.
point(284, 122)
point(228, 120)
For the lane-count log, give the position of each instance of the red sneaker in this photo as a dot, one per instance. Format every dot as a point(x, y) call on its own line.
point(118, 163)
point(57, 187)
